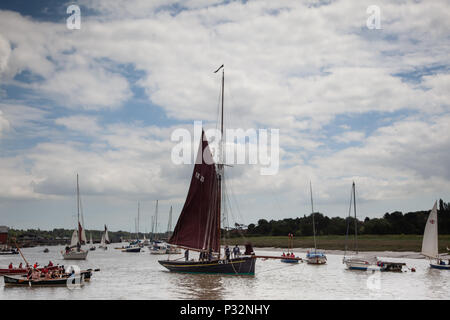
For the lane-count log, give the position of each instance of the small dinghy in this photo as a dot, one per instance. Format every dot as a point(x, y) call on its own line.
point(290, 257)
point(131, 249)
point(430, 242)
point(290, 260)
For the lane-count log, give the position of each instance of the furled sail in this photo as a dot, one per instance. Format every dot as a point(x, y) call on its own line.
point(198, 226)
point(430, 236)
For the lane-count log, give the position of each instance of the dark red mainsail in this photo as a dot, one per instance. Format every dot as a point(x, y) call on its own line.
point(198, 226)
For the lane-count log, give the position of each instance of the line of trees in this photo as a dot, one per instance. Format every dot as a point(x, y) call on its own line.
point(64, 235)
point(391, 223)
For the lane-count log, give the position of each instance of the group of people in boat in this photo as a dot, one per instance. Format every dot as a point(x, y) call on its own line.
point(35, 266)
point(229, 254)
point(288, 255)
point(46, 272)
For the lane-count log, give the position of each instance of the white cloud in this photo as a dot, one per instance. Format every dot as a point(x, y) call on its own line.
point(4, 123)
point(293, 66)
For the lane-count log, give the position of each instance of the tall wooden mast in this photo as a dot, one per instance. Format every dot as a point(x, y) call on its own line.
point(220, 165)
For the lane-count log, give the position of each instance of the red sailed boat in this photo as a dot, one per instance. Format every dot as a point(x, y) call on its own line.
point(198, 227)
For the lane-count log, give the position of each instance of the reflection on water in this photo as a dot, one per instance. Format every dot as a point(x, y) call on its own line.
point(139, 276)
point(197, 287)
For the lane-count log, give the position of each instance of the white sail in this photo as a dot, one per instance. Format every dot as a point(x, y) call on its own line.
point(430, 236)
point(102, 242)
point(106, 235)
point(74, 240)
point(90, 241)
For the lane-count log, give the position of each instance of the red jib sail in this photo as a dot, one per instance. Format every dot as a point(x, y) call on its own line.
point(198, 226)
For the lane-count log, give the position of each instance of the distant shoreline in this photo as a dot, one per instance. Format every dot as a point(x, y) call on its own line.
point(407, 245)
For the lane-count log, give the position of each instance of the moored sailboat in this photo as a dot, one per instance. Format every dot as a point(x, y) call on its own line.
point(314, 256)
point(198, 227)
point(75, 252)
point(104, 240)
point(430, 248)
point(134, 246)
point(357, 262)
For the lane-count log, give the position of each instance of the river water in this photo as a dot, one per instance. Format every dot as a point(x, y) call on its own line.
point(139, 276)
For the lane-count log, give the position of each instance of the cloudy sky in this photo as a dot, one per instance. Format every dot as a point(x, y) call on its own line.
point(351, 103)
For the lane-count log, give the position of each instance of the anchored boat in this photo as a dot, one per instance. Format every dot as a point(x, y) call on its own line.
point(314, 256)
point(430, 242)
point(74, 251)
point(357, 262)
point(198, 227)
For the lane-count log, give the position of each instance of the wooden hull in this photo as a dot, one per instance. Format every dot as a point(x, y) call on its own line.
point(236, 266)
point(23, 281)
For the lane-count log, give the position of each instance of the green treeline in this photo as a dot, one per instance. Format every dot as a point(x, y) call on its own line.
point(64, 235)
point(391, 223)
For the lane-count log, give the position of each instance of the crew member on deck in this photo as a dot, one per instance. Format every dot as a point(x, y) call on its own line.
point(236, 251)
point(10, 265)
point(227, 253)
point(210, 254)
point(186, 255)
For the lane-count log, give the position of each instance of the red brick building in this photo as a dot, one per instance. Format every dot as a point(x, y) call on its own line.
point(3, 235)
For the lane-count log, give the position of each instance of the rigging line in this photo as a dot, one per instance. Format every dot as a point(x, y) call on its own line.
point(231, 196)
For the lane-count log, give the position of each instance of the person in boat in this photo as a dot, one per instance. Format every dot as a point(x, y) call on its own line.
point(35, 275)
point(248, 249)
point(50, 264)
point(186, 255)
point(210, 254)
point(236, 251)
point(78, 246)
point(35, 265)
point(20, 266)
point(227, 253)
point(284, 255)
point(10, 265)
point(292, 255)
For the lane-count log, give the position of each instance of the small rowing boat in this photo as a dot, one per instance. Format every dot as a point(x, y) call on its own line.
point(20, 271)
point(57, 282)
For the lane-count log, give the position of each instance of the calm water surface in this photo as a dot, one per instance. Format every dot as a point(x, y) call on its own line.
point(139, 276)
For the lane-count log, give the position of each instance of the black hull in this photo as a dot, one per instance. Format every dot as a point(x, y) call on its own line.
point(236, 266)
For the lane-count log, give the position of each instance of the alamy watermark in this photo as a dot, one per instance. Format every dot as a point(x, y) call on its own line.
point(240, 146)
point(74, 281)
point(374, 20)
point(73, 22)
